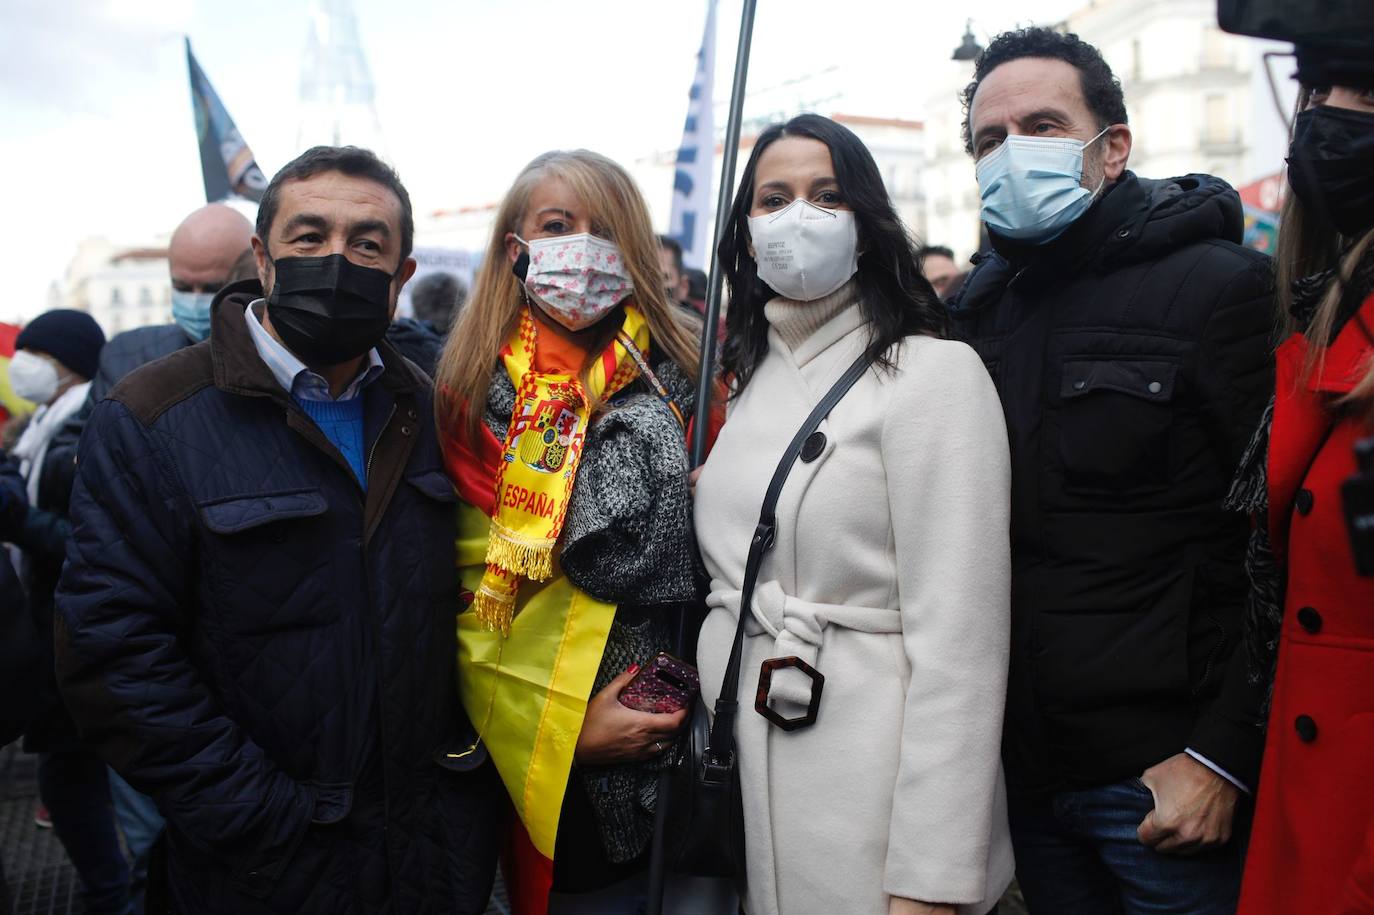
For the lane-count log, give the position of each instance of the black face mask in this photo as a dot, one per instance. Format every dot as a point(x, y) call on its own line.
point(1331, 166)
point(329, 310)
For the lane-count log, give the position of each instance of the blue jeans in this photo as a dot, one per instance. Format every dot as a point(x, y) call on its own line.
point(141, 823)
point(1077, 851)
point(72, 785)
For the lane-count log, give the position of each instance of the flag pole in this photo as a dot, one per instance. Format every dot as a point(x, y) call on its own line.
point(714, 286)
point(702, 419)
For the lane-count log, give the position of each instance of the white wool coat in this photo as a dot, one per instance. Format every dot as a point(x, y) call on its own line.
point(891, 575)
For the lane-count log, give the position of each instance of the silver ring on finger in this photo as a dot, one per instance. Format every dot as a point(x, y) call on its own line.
point(659, 746)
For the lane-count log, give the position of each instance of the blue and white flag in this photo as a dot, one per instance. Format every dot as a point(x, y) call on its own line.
point(690, 223)
point(226, 163)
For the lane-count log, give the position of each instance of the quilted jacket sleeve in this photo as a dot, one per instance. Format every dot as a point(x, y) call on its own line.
point(1237, 380)
point(125, 596)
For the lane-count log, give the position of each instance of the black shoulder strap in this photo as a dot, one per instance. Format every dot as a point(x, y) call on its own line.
point(720, 750)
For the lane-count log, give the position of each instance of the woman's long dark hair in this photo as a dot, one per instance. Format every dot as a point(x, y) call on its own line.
point(894, 295)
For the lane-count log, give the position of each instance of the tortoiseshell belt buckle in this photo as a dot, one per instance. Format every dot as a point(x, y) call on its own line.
point(766, 683)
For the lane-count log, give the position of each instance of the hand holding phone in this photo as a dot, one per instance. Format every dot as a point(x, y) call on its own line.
point(664, 685)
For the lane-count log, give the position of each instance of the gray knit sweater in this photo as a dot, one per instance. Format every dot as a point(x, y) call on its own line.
point(628, 540)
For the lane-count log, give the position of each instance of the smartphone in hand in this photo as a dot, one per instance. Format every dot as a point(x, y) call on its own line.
point(664, 685)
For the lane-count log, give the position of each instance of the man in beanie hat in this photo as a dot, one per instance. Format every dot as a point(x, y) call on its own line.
point(55, 357)
point(70, 337)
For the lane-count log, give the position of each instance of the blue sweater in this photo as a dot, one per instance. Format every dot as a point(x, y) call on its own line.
point(342, 423)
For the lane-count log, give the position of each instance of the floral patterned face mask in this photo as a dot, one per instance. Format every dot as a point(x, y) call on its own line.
point(576, 279)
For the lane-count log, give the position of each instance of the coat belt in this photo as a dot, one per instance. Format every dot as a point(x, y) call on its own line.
point(797, 627)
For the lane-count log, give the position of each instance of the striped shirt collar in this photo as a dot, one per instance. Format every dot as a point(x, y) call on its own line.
point(294, 376)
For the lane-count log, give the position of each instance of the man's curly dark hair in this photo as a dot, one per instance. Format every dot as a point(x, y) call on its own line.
point(1101, 89)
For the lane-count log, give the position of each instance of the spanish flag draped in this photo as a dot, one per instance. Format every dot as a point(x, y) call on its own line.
point(526, 674)
point(527, 694)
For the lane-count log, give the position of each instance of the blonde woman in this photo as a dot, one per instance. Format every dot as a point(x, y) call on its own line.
point(563, 392)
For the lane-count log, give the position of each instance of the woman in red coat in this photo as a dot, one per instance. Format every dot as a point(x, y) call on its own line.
point(1312, 846)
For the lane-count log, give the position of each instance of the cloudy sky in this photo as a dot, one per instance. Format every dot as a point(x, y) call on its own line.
point(97, 137)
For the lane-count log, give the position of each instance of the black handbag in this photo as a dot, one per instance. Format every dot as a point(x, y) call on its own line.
point(699, 827)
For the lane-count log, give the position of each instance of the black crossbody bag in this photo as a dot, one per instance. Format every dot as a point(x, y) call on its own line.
point(701, 832)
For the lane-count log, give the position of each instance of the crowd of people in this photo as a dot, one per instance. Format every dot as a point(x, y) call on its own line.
point(324, 611)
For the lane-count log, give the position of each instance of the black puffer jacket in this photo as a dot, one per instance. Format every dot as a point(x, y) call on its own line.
point(1132, 355)
point(267, 649)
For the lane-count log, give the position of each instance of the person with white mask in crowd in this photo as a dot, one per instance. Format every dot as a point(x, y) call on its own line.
point(881, 793)
point(55, 356)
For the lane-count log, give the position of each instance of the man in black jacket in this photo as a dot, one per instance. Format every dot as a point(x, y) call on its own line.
point(256, 623)
point(1127, 332)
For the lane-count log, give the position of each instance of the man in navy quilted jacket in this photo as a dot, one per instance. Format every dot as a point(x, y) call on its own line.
point(256, 622)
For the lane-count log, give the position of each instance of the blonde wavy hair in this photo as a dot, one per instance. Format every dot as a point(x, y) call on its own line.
point(617, 209)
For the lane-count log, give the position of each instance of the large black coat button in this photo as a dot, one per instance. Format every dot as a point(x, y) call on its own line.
point(1304, 501)
point(1307, 728)
point(1310, 620)
point(813, 446)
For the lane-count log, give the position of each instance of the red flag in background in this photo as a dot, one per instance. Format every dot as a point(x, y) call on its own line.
point(10, 405)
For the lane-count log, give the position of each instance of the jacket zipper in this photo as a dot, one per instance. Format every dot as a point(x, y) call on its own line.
point(372, 452)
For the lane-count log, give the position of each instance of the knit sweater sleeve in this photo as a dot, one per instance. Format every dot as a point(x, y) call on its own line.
point(944, 447)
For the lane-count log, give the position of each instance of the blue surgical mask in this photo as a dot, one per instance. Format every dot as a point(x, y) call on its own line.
point(1032, 187)
point(191, 311)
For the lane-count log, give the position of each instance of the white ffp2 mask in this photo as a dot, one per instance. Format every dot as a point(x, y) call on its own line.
point(33, 377)
point(804, 251)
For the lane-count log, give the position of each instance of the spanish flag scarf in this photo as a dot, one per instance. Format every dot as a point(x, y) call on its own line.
point(539, 459)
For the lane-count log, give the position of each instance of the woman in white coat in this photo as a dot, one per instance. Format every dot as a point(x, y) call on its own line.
point(890, 572)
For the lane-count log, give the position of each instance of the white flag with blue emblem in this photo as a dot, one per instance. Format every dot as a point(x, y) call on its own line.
point(690, 223)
